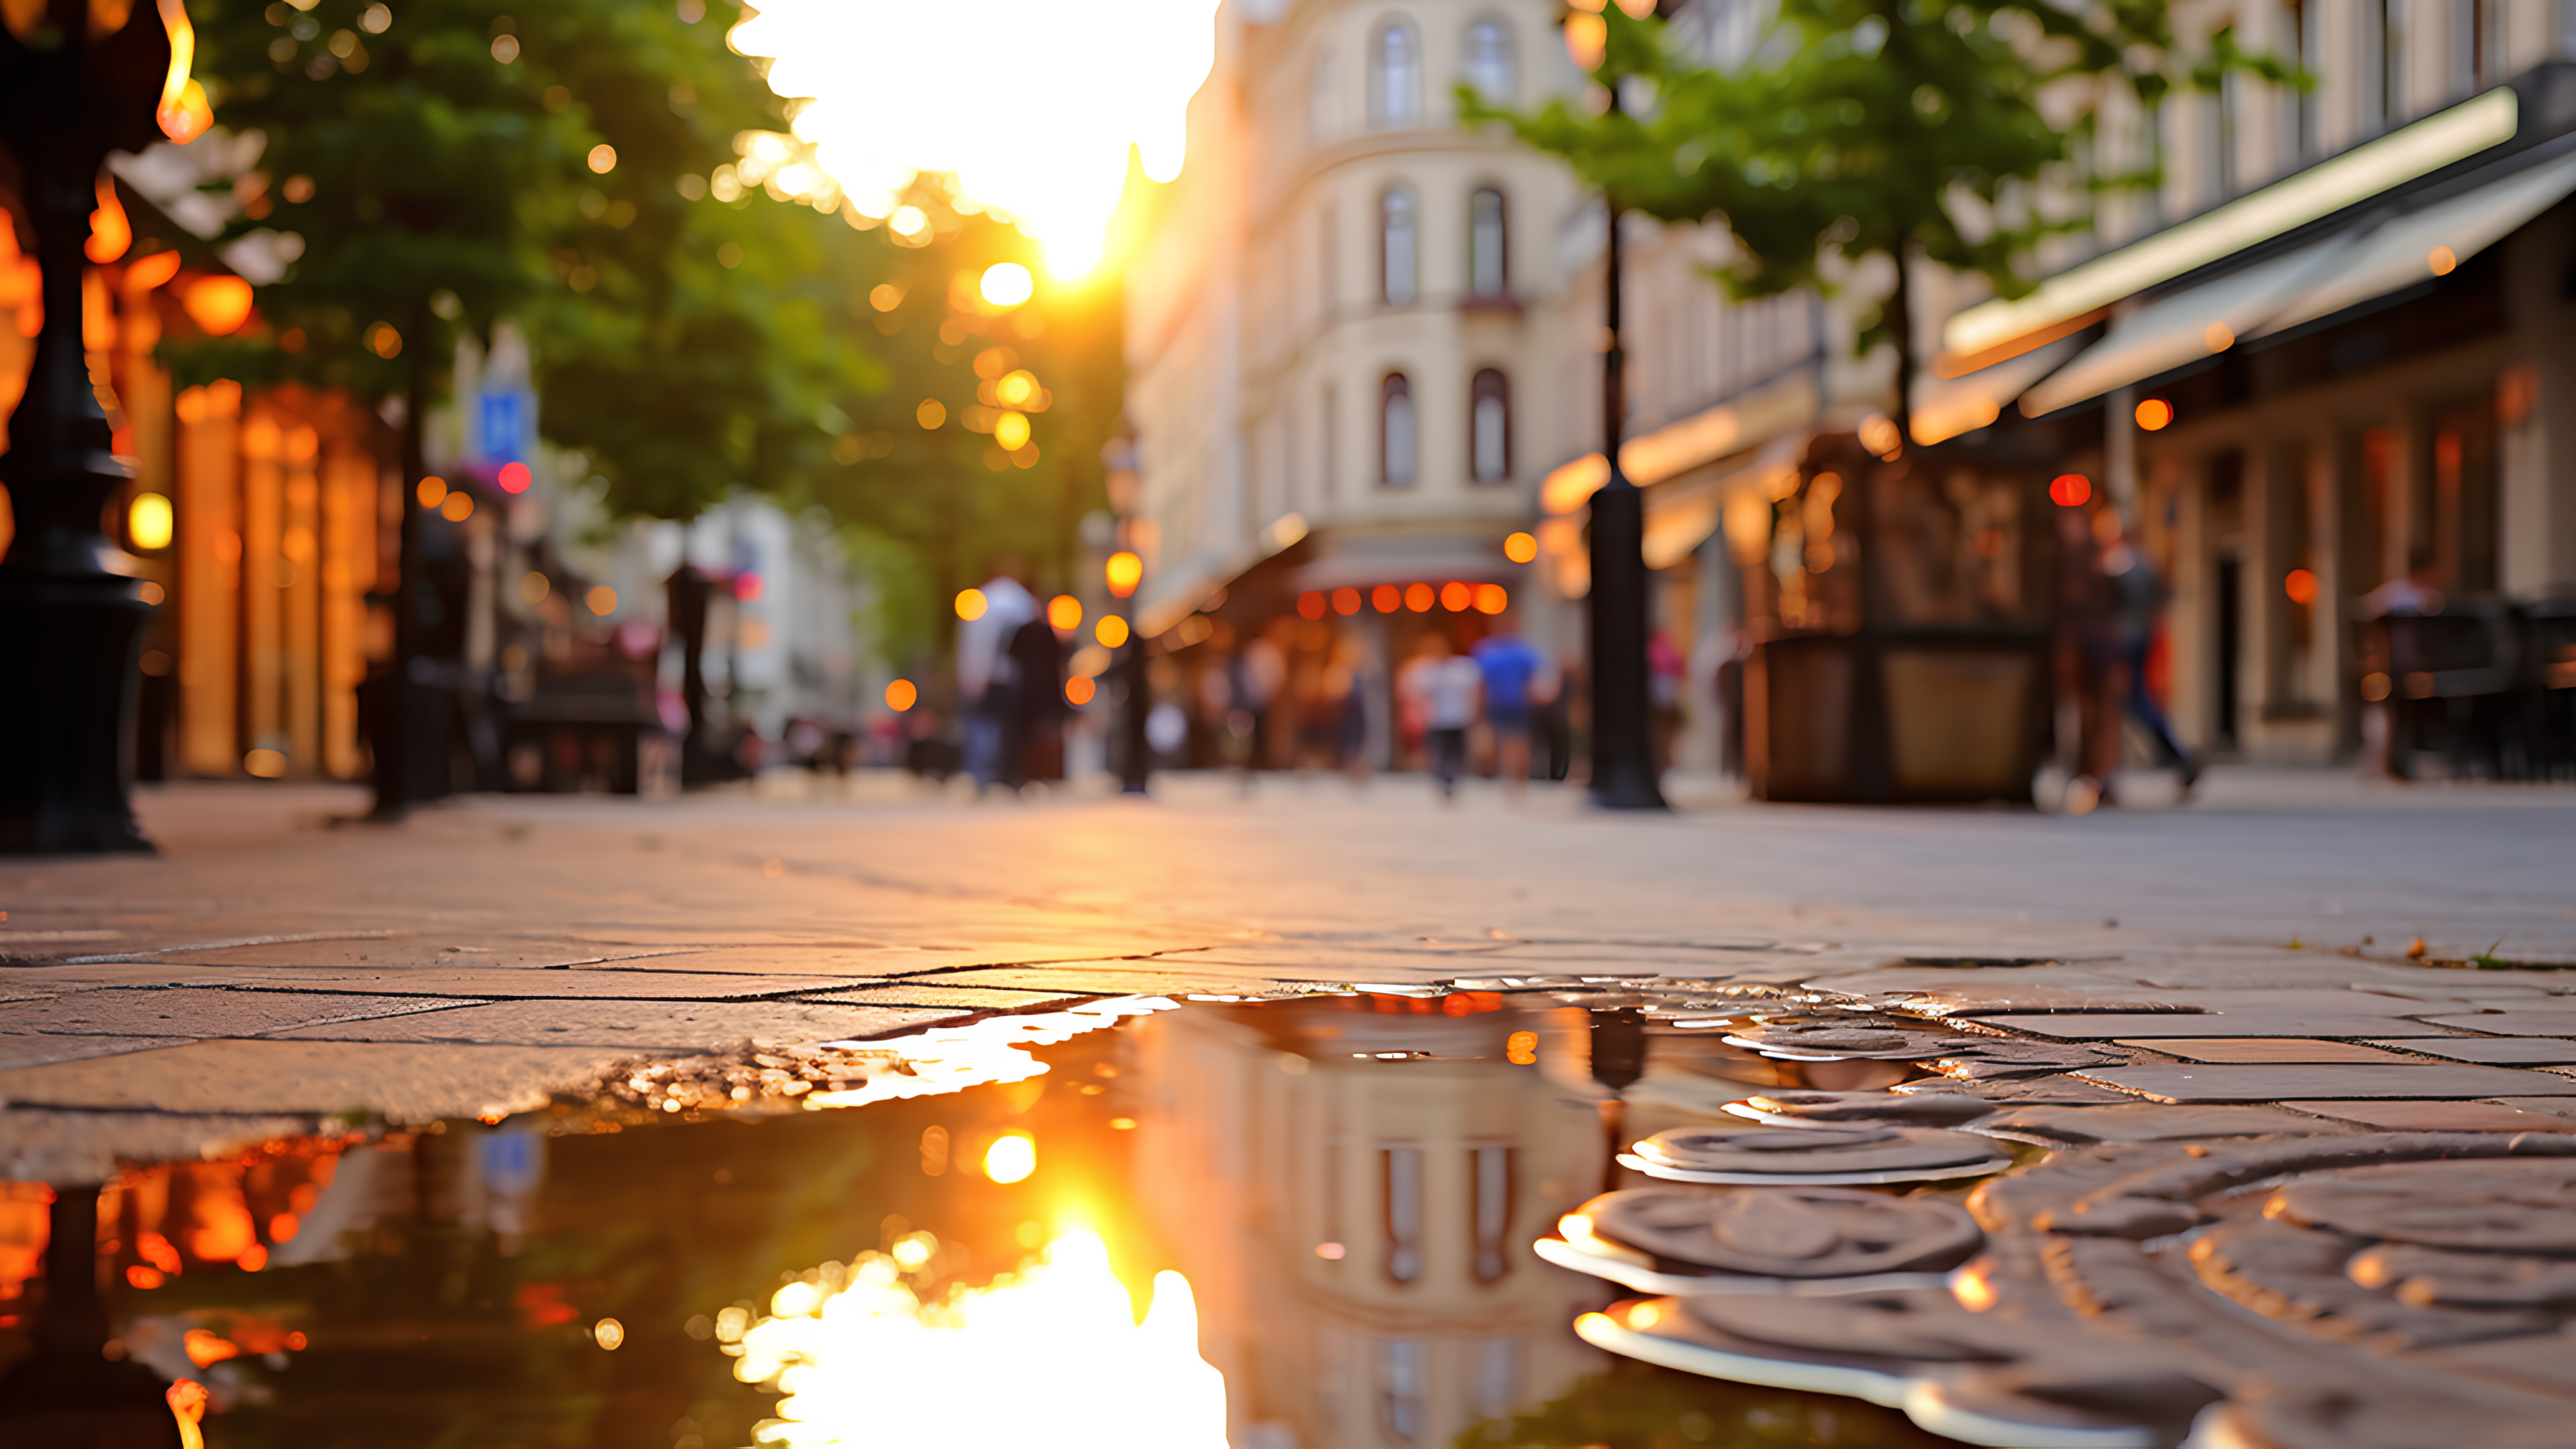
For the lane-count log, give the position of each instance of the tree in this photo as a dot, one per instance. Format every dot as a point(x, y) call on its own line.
point(1898, 128)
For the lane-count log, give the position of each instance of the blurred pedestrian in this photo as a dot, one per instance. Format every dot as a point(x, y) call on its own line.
point(1452, 684)
point(985, 680)
point(2137, 601)
point(1032, 744)
point(1665, 666)
point(1510, 668)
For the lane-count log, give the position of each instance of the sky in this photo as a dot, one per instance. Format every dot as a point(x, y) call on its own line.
point(1034, 104)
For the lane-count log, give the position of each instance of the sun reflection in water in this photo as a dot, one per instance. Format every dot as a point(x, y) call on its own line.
point(1053, 1354)
point(980, 1053)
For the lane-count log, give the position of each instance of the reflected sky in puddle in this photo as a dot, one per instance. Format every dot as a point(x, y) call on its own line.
point(1053, 1228)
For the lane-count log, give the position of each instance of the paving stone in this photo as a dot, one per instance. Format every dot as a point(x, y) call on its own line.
point(2497, 1051)
point(36, 1049)
point(2513, 1023)
point(197, 1013)
point(2265, 1049)
point(633, 1025)
point(2138, 1122)
point(553, 983)
point(2178, 1083)
point(2126, 1026)
point(932, 992)
point(404, 1082)
point(2438, 1116)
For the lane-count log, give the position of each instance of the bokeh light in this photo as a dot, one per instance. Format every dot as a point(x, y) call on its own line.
point(1111, 631)
point(2301, 586)
point(1036, 134)
point(148, 522)
point(2154, 414)
point(1387, 598)
point(1520, 547)
point(1012, 1157)
point(432, 492)
point(1079, 690)
point(1123, 573)
point(1456, 597)
point(2070, 490)
point(218, 305)
point(1007, 284)
point(601, 600)
point(902, 695)
point(1310, 604)
point(1419, 598)
point(515, 478)
point(1346, 602)
point(457, 508)
point(971, 604)
point(931, 414)
point(533, 587)
point(1011, 432)
point(1064, 612)
point(1492, 598)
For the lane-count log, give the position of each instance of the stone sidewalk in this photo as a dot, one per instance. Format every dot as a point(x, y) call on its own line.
point(270, 967)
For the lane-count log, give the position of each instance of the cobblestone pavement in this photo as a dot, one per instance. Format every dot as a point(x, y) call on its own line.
point(269, 966)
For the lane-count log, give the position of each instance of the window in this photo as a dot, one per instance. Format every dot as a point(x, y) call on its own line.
point(1402, 1390)
point(2384, 67)
point(1487, 63)
point(1323, 97)
point(1489, 427)
point(1403, 1175)
point(1488, 251)
point(1493, 1199)
point(1395, 75)
point(1396, 470)
point(1399, 246)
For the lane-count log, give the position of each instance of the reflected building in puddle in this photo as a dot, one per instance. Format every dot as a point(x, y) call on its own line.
point(1351, 1184)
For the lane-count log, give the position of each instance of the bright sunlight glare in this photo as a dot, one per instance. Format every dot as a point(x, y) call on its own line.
point(1033, 104)
point(1051, 1355)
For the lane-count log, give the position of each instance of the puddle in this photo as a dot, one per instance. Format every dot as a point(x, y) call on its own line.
point(1282, 1224)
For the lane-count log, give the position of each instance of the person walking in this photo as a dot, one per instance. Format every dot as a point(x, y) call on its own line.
point(2137, 597)
point(1452, 684)
point(1510, 669)
point(986, 693)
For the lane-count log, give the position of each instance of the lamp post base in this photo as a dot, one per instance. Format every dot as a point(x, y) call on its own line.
point(69, 643)
point(1623, 749)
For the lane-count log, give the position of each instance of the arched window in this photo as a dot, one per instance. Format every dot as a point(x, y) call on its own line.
point(1489, 427)
point(1323, 99)
point(1395, 75)
point(1396, 432)
point(1487, 61)
point(1399, 246)
point(1489, 272)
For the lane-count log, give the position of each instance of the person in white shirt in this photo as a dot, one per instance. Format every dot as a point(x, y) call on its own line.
point(986, 686)
point(1455, 684)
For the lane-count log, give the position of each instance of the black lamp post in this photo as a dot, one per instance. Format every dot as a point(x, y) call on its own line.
point(1623, 752)
point(71, 609)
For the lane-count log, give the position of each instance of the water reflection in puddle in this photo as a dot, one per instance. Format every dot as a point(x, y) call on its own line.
point(1054, 1228)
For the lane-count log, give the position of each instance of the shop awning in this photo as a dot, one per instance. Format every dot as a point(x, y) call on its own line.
point(2002, 328)
point(1682, 514)
point(1361, 563)
point(2382, 253)
point(1744, 421)
point(1947, 407)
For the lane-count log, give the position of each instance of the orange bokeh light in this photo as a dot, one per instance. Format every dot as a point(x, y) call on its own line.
point(218, 305)
point(1079, 689)
point(2154, 414)
point(1520, 547)
point(1123, 573)
point(1419, 598)
point(2069, 490)
point(1346, 601)
point(1064, 612)
point(1387, 597)
point(1456, 597)
point(457, 508)
point(1310, 605)
point(2301, 586)
point(902, 695)
point(1492, 598)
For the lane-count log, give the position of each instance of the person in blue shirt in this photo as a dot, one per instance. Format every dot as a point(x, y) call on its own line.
point(1511, 669)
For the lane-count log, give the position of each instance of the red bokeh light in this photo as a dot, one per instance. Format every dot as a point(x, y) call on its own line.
point(1310, 605)
point(515, 478)
point(1346, 601)
point(746, 587)
point(1388, 598)
point(2070, 490)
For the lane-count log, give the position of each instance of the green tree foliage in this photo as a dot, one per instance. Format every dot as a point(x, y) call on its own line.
point(1898, 128)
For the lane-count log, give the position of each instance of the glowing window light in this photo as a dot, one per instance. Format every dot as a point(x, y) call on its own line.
point(1011, 1158)
point(1035, 137)
point(870, 1363)
point(971, 604)
point(1011, 432)
point(1078, 691)
point(2154, 414)
point(515, 477)
point(2301, 586)
point(1007, 284)
point(218, 305)
point(148, 522)
point(1520, 547)
point(601, 600)
point(1123, 573)
point(902, 695)
point(2070, 490)
point(1064, 612)
point(1111, 631)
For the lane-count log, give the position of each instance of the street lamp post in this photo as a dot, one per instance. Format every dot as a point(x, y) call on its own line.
point(1623, 760)
point(71, 608)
